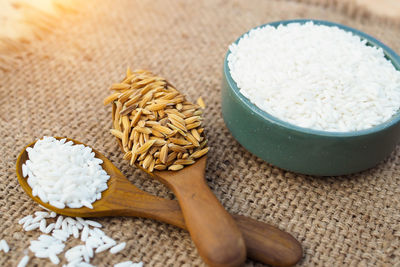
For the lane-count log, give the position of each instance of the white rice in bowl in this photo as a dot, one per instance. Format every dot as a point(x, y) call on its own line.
point(316, 76)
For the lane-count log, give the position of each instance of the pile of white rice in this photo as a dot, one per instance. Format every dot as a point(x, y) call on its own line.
point(56, 234)
point(316, 77)
point(64, 174)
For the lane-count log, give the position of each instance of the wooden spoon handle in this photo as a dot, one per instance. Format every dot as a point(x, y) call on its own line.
point(264, 243)
point(211, 227)
point(267, 244)
point(129, 200)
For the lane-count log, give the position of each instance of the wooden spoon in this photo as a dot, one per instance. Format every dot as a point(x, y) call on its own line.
point(213, 230)
point(264, 243)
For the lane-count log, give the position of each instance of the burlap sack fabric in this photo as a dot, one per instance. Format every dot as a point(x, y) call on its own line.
point(56, 87)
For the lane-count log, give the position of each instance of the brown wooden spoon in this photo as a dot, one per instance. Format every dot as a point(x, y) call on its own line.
point(264, 243)
point(213, 230)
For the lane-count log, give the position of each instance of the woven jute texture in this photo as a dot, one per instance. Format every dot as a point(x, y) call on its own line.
point(56, 87)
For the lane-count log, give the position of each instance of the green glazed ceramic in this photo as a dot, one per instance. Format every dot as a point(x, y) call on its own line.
point(305, 150)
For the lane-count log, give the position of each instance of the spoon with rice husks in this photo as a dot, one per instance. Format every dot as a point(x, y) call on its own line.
point(160, 132)
point(265, 243)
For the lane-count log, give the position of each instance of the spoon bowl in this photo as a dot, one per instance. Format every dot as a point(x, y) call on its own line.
point(264, 243)
point(116, 200)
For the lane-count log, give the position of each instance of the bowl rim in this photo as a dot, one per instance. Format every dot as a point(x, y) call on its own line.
point(389, 53)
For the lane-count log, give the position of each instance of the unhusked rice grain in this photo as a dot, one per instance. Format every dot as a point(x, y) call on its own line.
point(316, 76)
point(151, 118)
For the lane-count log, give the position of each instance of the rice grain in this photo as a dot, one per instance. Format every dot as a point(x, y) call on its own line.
point(157, 125)
point(316, 76)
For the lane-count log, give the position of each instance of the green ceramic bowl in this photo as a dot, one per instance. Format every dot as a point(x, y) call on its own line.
point(305, 150)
